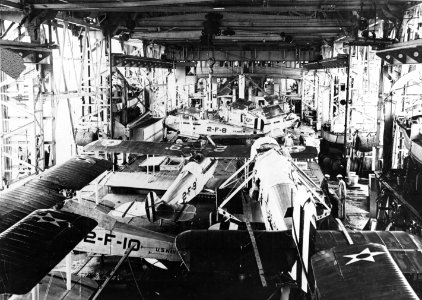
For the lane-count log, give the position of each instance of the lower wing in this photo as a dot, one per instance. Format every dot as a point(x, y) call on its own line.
point(35, 245)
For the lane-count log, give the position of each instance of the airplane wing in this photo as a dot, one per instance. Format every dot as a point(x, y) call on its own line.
point(232, 251)
point(35, 245)
point(405, 249)
point(32, 241)
point(171, 149)
point(42, 192)
point(365, 271)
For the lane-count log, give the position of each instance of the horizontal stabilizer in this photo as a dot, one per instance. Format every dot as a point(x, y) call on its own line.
point(157, 209)
point(175, 212)
point(35, 245)
point(365, 271)
point(129, 210)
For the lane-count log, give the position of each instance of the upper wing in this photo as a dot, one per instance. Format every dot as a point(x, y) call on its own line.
point(403, 247)
point(365, 271)
point(187, 149)
point(32, 247)
point(43, 191)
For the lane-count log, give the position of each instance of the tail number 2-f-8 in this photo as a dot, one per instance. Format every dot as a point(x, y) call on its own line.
point(216, 129)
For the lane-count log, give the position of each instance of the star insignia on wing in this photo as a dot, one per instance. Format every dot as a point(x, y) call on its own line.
point(48, 218)
point(365, 254)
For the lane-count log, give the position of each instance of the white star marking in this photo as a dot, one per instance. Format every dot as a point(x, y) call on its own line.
point(48, 218)
point(363, 255)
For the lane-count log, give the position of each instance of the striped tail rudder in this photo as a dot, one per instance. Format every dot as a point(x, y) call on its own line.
point(303, 231)
point(150, 206)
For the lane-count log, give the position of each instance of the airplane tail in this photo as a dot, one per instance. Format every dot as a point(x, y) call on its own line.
point(150, 209)
point(303, 232)
point(157, 209)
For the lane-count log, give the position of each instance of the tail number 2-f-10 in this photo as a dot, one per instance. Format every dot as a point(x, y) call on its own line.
point(108, 238)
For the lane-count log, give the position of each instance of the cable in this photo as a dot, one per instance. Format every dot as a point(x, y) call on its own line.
point(134, 279)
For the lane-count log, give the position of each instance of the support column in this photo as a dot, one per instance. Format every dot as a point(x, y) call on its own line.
point(2, 157)
point(380, 106)
point(242, 86)
point(52, 145)
point(387, 102)
point(346, 110)
point(234, 95)
point(373, 195)
point(209, 98)
point(69, 271)
point(110, 82)
point(250, 92)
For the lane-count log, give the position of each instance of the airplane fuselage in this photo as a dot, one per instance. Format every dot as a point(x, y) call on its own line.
point(274, 177)
point(195, 128)
point(115, 243)
point(273, 124)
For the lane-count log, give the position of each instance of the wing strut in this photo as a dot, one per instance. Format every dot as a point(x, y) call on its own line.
point(126, 255)
point(247, 163)
point(211, 141)
point(236, 191)
point(254, 246)
point(344, 230)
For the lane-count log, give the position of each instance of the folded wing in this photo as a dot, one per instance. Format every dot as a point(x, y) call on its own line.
point(365, 271)
point(33, 246)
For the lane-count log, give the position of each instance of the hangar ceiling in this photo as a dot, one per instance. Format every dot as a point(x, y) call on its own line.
point(252, 25)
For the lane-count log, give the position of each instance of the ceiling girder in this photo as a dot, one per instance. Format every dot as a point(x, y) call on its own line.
point(233, 55)
point(402, 53)
point(121, 60)
point(197, 5)
point(341, 61)
point(260, 71)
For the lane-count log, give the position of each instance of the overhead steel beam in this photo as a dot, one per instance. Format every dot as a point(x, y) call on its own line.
point(231, 16)
point(11, 4)
point(402, 53)
point(120, 60)
point(62, 17)
point(83, 5)
point(269, 32)
point(249, 23)
point(207, 5)
point(341, 61)
point(300, 38)
point(236, 55)
point(206, 9)
point(261, 71)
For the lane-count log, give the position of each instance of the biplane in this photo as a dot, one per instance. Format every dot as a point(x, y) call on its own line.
point(291, 250)
point(34, 235)
point(189, 126)
point(192, 178)
point(40, 224)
